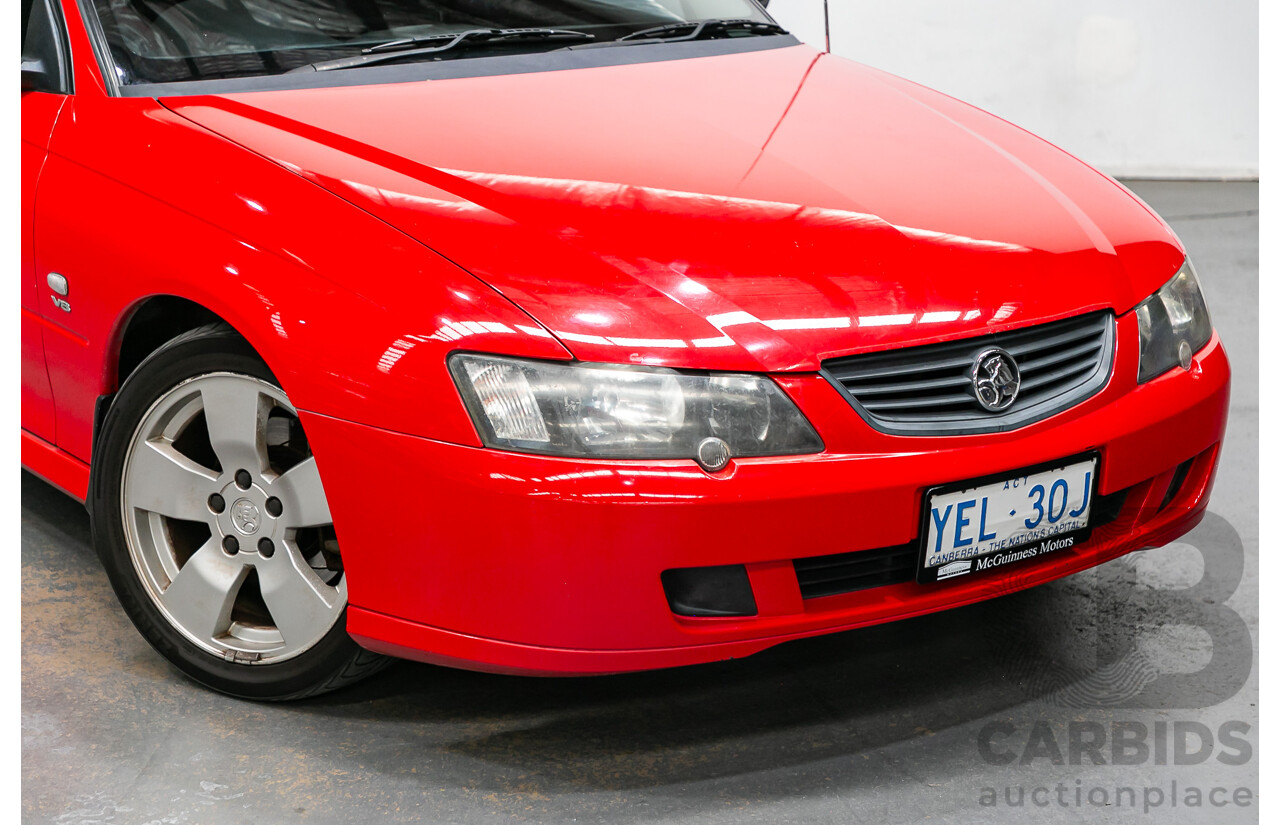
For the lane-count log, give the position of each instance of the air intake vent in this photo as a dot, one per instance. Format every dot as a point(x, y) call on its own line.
point(1175, 484)
point(928, 390)
point(847, 572)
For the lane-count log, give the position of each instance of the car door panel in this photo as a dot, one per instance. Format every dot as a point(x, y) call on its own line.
point(40, 112)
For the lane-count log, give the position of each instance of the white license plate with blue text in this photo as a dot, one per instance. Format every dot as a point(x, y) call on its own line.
point(971, 528)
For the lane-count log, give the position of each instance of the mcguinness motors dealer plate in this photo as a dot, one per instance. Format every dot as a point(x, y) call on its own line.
point(971, 527)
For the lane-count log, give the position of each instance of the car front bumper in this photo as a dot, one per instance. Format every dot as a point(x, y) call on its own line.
point(526, 564)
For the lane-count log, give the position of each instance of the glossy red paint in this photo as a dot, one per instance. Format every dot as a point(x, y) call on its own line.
point(784, 208)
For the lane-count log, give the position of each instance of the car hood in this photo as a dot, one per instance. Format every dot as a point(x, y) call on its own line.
point(762, 211)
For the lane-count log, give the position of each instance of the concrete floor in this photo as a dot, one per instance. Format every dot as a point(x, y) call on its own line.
point(878, 725)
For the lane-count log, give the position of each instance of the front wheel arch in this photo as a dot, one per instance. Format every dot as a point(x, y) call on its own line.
point(148, 325)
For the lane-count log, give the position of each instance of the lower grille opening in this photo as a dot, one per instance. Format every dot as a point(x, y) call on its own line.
point(709, 591)
point(863, 569)
point(859, 570)
point(1175, 484)
point(1106, 509)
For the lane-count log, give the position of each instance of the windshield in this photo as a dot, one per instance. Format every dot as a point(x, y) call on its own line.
point(160, 41)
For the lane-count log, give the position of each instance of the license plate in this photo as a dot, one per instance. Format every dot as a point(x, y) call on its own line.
point(976, 526)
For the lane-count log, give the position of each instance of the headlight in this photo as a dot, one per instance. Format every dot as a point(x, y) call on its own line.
point(1172, 325)
point(606, 411)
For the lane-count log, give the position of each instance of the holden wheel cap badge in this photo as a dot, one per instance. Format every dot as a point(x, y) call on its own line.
point(245, 516)
point(995, 379)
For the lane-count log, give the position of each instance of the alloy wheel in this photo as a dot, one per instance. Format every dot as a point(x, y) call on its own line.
point(226, 520)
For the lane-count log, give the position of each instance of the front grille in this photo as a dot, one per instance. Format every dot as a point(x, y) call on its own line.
point(863, 569)
point(927, 390)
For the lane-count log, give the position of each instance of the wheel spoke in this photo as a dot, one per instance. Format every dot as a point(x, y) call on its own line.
point(302, 496)
point(301, 605)
point(201, 597)
point(163, 480)
point(236, 411)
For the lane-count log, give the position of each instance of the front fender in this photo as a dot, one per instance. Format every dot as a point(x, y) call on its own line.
point(353, 317)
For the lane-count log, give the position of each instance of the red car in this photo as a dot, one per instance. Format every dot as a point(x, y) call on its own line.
point(572, 337)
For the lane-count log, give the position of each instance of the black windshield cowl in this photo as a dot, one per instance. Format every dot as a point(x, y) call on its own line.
point(469, 39)
point(704, 30)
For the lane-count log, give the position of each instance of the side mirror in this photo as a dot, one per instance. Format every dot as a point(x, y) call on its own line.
point(35, 78)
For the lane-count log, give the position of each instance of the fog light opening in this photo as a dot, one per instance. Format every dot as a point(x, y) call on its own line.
point(709, 591)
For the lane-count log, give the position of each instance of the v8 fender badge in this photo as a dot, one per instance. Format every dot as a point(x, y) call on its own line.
point(58, 284)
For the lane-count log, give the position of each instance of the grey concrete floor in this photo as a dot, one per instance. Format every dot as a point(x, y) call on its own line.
point(878, 725)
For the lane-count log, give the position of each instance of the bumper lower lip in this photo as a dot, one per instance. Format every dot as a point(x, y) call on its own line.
point(516, 563)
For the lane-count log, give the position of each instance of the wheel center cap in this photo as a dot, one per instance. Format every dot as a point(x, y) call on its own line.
point(246, 516)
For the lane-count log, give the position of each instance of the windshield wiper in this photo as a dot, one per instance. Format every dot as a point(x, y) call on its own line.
point(398, 49)
point(704, 30)
point(479, 36)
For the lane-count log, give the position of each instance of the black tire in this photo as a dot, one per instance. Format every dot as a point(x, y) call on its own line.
point(331, 662)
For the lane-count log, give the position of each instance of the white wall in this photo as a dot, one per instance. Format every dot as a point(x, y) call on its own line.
point(1139, 88)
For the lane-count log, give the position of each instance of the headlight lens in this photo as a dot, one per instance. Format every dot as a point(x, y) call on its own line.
point(1172, 325)
point(606, 411)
